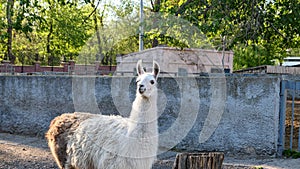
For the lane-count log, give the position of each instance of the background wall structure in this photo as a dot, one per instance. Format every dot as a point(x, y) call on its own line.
point(171, 59)
point(248, 124)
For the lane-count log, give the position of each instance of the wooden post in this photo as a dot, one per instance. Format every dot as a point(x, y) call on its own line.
point(205, 160)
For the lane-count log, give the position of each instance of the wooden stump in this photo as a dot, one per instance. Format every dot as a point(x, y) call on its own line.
point(205, 160)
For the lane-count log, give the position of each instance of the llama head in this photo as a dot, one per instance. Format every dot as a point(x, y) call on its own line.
point(146, 82)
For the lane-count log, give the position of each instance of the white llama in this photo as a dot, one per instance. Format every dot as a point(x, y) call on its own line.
point(89, 141)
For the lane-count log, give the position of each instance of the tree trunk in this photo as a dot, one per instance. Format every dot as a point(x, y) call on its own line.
point(98, 39)
point(9, 9)
point(155, 8)
point(99, 54)
point(206, 160)
point(48, 45)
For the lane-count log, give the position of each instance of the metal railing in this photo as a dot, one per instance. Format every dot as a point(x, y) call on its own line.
point(7, 69)
point(289, 117)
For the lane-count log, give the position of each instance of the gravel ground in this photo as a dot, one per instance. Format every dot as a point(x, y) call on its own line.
point(23, 152)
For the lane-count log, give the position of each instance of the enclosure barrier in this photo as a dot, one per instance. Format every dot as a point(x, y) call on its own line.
point(288, 123)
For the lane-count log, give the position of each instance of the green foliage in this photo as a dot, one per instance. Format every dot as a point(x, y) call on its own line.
point(271, 27)
point(291, 153)
point(68, 34)
point(55, 30)
point(250, 56)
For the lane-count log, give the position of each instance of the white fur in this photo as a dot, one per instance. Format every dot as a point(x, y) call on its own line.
point(114, 142)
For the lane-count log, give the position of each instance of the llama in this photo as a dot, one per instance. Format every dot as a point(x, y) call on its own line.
point(89, 141)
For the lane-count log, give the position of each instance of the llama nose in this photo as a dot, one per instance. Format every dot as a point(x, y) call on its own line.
point(142, 89)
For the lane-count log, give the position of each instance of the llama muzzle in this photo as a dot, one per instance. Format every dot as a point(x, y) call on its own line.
point(142, 89)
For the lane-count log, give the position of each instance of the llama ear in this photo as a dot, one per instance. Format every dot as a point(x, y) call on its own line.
point(139, 68)
point(156, 69)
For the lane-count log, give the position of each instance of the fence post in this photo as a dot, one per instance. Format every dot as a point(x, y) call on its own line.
point(37, 66)
point(97, 65)
point(71, 65)
point(6, 64)
point(65, 66)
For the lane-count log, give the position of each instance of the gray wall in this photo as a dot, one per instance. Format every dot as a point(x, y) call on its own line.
point(189, 108)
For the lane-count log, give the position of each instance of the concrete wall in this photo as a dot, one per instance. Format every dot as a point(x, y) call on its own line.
point(236, 114)
point(172, 59)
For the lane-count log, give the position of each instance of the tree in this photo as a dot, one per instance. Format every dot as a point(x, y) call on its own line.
point(9, 13)
point(257, 31)
point(282, 26)
point(264, 28)
point(66, 30)
point(20, 17)
point(50, 28)
point(110, 29)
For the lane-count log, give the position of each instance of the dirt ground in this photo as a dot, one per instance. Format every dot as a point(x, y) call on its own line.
point(288, 124)
point(20, 152)
point(23, 152)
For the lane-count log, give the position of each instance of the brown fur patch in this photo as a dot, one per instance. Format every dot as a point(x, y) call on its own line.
point(60, 128)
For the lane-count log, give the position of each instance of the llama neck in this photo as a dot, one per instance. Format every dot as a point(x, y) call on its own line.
point(144, 109)
point(143, 117)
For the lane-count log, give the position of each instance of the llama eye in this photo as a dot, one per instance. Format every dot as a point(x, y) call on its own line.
point(152, 81)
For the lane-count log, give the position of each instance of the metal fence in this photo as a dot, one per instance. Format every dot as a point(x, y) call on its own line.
point(6, 69)
point(289, 116)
